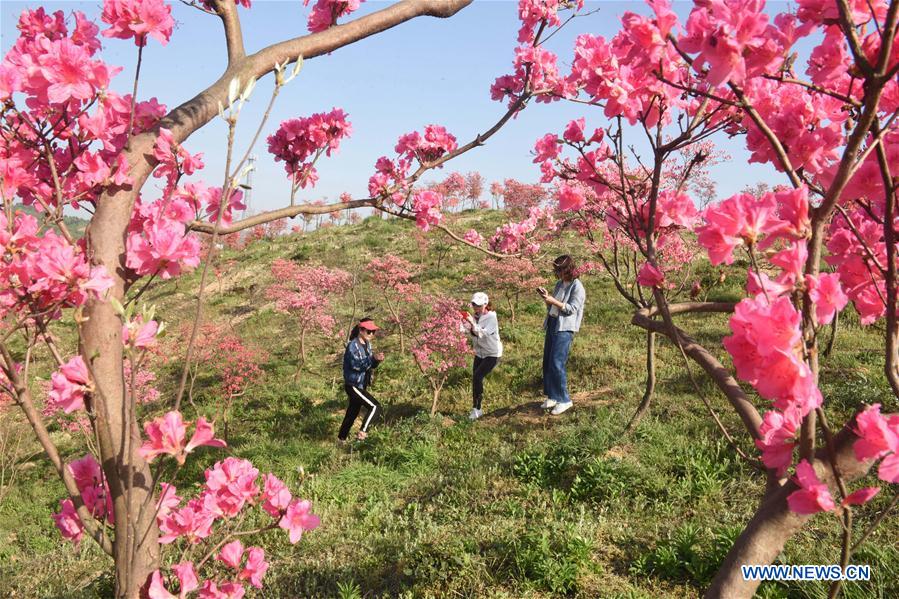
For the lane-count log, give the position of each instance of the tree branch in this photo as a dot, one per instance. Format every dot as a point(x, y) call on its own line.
point(719, 374)
point(227, 12)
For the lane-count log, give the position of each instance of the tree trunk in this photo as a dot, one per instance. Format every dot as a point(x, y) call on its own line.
point(511, 307)
point(136, 543)
point(643, 408)
point(437, 390)
point(774, 524)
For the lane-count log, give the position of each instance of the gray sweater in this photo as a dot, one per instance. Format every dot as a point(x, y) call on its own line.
point(572, 311)
point(485, 336)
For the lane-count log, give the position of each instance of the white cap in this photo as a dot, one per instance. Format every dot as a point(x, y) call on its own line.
point(480, 299)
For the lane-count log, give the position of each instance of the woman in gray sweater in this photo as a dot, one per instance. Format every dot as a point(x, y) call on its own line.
point(488, 348)
point(564, 312)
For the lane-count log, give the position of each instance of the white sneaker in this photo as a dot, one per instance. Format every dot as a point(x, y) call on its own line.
point(475, 414)
point(561, 407)
point(548, 403)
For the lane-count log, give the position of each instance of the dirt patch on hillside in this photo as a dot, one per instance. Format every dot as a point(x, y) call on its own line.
point(530, 413)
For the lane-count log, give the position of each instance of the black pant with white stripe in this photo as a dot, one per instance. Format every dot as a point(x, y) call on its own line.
point(358, 397)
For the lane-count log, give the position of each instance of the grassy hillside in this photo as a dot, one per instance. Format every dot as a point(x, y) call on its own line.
point(518, 504)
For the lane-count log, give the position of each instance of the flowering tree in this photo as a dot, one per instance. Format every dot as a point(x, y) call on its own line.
point(732, 68)
point(393, 276)
point(518, 198)
point(307, 293)
point(510, 276)
point(69, 143)
point(440, 344)
point(232, 362)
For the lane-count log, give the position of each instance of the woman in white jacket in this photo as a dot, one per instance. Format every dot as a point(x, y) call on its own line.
point(488, 349)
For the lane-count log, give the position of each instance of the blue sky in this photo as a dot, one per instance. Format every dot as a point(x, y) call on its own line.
point(421, 72)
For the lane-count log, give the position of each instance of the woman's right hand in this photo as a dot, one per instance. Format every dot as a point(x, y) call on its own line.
point(379, 356)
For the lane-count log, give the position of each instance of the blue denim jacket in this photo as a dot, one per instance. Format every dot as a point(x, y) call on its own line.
point(357, 360)
point(572, 312)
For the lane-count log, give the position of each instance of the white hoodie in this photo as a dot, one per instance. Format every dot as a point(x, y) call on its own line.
point(485, 336)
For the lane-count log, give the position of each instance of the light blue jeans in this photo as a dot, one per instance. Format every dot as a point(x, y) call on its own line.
point(556, 347)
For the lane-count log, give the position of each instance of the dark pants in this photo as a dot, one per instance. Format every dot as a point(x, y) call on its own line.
point(358, 397)
point(555, 354)
point(480, 369)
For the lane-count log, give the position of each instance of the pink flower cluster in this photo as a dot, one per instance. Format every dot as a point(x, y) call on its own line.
point(426, 205)
point(535, 72)
point(742, 220)
point(300, 142)
point(94, 493)
point(878, 438)
point(859, 262)
point(51, 66)
point(428, 147)
point(622, 74)
point(70, 384)
point(166, 436)
point(234, 362)
point(44, 273)
point(173, 158)
point(390, 175)
point(230, 487)
point(138, 19)
point(440, 344)
point(524, 236)
point(306, 292)
point(766, 351)
point(325, 13)
point(394, 275)
point(518, 198)
point(735, 40)
point(158, 241)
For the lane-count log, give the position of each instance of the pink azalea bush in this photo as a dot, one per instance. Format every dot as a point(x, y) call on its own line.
point(440, 344)
point(306, 293)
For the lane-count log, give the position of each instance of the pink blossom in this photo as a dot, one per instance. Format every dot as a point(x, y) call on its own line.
point(68, 522)
point(675, 209)
point(877, 435)
point(426, 205)
point(70, 384)
point(231, 483)
point(570, 197)
point(157, 588)
point(826, 293)
point(276, 496)
point(300, 142)
point(650, 276)
point(547, 148)
point(193, 522)
point(813, 496)
point(227, 590)
point(778, 432)
point(231, 554)
point(137, 334)
point(574, 131)
point(298, 519)
point(137, 19)
point(473, 237)
point(166, 435)
point(860, 496)
point(326, 12)
point(255, 568)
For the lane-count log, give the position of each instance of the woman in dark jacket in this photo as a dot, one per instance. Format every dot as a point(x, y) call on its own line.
point(358, 361)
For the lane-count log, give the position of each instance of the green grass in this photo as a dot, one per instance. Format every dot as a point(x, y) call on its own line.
point(517, 505)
